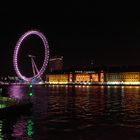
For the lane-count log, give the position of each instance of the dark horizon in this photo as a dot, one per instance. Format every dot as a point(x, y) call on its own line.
point(80, 37)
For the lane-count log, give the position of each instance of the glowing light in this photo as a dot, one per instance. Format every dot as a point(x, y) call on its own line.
point(58, 82)
point(2, 106)
point(83, 78)
point(58, 79)
point(6, 101)
point(1, 134)
point(31, 85)
point(46, 58)
point(30, 94)
point(122, 83)
point(30, 128)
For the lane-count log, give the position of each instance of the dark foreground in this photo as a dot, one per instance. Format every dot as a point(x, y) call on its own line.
point(73, 112)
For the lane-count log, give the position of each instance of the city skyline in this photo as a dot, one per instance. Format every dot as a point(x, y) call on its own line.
point(90, 88)
point(80, 39)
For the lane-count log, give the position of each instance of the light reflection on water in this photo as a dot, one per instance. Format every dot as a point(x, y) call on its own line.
point(16, 92)
point(23, 128)
point(75, 112)
point(1, 127)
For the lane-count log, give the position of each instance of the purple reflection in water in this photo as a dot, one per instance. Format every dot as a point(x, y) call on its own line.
point(23, 129)
point(16, 92)
point(19, 129)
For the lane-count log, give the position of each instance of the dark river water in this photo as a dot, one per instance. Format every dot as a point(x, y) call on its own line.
point(74, 113)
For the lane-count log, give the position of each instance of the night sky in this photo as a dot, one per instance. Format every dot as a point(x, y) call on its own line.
point(81, 32)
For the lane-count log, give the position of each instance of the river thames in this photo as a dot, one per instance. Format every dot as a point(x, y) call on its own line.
point(64, 112)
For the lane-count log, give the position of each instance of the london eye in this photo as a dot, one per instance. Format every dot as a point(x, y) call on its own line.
point(36, 72)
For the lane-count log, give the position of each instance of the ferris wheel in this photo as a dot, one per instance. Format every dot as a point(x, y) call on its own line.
point(36, 73)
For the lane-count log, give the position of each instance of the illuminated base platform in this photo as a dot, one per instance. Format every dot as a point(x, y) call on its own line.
point(97, 83)
point(122, 83)
point(80, 83)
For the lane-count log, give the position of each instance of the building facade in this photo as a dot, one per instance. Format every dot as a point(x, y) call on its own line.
point(57, 78)
point(77, 77)
point(92, 77)
point(123, 78)
point(55, 63)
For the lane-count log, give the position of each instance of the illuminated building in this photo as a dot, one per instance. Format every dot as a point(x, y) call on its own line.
point(123, 78)
point(123, 75)
point(117, 76)
point(58, 78)
point(55, 64)
point(82, 77)
point(95, 77)
point(101, 76)
point(70, 78)
point(76, 77)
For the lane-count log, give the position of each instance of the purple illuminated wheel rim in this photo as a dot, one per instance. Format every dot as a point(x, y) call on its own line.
point(16, 52)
